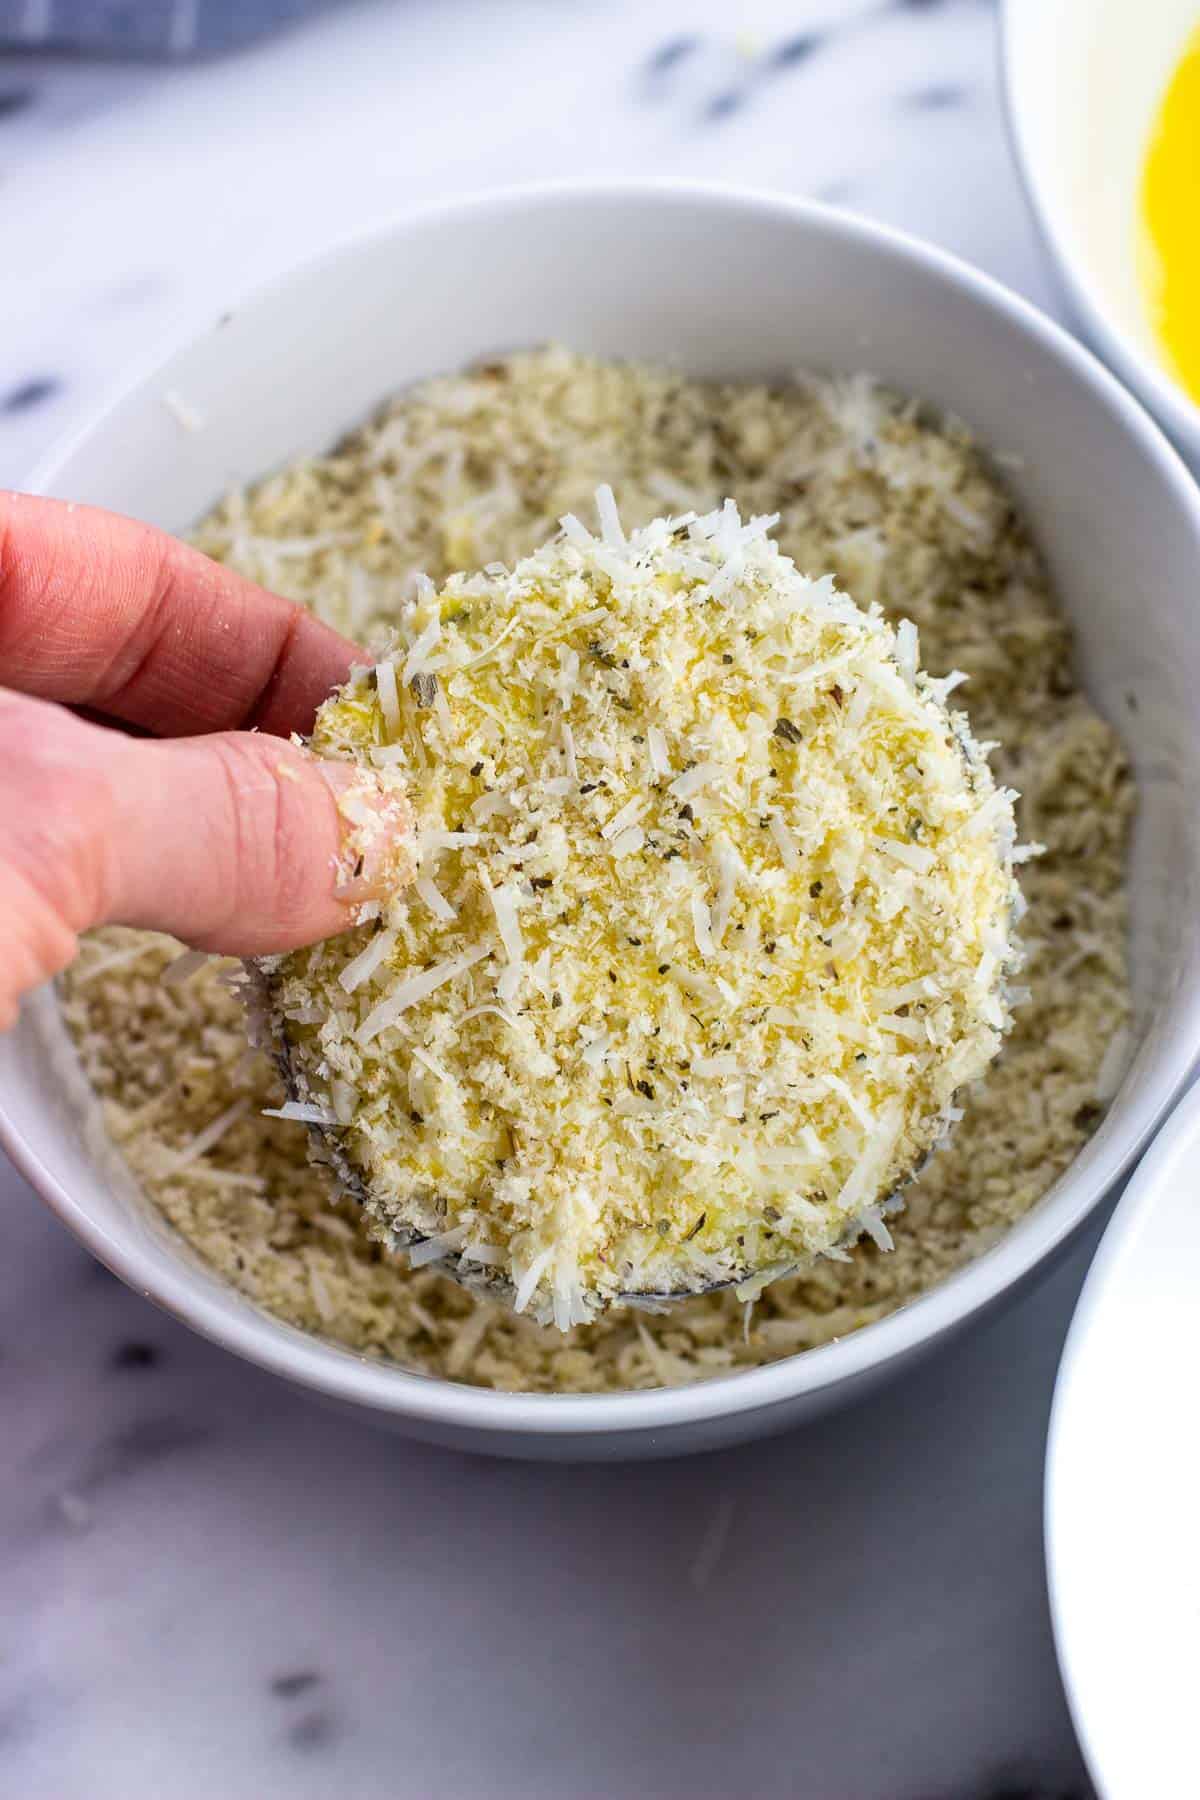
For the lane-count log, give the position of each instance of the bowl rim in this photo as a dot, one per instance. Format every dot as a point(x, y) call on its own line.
point(388, 1389)
point(1158, 388)
point(1132, 1217)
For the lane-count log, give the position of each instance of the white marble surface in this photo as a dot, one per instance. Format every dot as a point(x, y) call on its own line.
point(210, 1586)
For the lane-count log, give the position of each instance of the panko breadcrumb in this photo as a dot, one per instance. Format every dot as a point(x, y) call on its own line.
point(477, 468)
point(711, 922)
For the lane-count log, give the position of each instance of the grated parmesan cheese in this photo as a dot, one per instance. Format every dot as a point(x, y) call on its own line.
point(389, 702)
point(591, 1116)
point(360, 968)
point(413, 990)
point(660, 761)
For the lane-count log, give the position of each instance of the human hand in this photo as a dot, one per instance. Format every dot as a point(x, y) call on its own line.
point(227, 835)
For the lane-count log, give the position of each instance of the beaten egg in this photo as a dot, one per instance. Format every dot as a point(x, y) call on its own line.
point(1169, 223)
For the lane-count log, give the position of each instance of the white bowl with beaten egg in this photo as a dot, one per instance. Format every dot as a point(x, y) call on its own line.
point(720, 284)
point(1085, 82)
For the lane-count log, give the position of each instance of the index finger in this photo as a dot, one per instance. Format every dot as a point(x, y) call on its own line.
point(101, 611)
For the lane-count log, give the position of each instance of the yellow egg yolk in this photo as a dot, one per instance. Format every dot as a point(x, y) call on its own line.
point(1169, 236)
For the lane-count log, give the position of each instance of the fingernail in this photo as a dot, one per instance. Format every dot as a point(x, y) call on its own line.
point(376, 856)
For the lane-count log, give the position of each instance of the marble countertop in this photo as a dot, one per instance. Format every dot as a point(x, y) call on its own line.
point(208, 1584)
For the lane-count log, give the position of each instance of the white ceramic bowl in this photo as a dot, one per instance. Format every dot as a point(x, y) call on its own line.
point(1084, 79)
point(1122, 1472)
point(732, 285)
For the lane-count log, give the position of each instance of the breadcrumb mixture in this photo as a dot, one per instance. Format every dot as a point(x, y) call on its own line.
point(711, 924)
point(478, 468)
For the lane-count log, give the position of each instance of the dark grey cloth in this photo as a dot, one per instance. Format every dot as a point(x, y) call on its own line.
point(167, 28)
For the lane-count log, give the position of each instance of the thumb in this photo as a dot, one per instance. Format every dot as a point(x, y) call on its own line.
point(233, 842)
point(248, 844)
